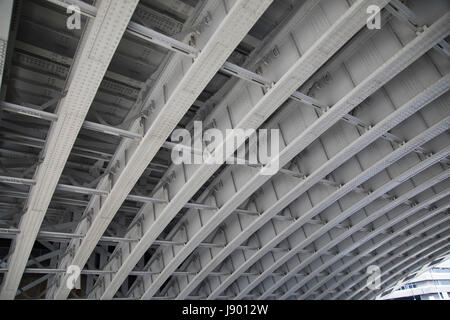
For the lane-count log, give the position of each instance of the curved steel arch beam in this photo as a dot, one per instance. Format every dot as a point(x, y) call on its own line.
point(235, 25)
point(397, 281)
point(345, 253)
point(233, 202)
point(5, 20)
point(326, 292)
point(384, 251)
point(437, 222)
point(407, 51)
point(373, 260)
point(370, 235)
point(226, 31)
point(397, 269)
point(420, 218)
point(392, 257)
point(305, 261)
point(413, 267)
point(268, 244)
point(443, 126)
point(421, 270)
point(93, 56)
point(438, 246)
point(268, 103)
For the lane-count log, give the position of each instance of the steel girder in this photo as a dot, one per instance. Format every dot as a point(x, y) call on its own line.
point(174, 45)
point(10, 233)
point(384, 250)
point(249, 231)
point(299, 261)
point(33, 284)
point(62, 68)
point(224, 33)
point(268, 243)
point(409, 242)
point(56, 67)
point(438, 244)
point(361, 255)
point(429, 265)
point(435, 247)
point(427, 218)
point(403, 13)
point(95, 51)
point(219, 238)
point(228, 116)
point(358, 264)
point(395, 284)
point(6, 10)
point(439, 253)
point(398, 268)
point(363, 238)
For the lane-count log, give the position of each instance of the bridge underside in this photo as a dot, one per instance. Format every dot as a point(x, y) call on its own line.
point(92, 90)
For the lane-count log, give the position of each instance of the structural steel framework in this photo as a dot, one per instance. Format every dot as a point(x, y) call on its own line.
point(91, 92)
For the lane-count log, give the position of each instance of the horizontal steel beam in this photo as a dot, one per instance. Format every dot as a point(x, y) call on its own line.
point(98, 272)
point(130, 197)
point(122, 133)
point(393, 119)
point(6, 12)
point(223, 34)
point(96, 49)
point(402, 12)
point(11, 107)
point(390, 66)
point(10, 233)
point(416, 258)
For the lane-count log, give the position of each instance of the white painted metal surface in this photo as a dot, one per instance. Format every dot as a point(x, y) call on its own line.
point(87, 177)
point(94, 53)
point(230, 29)
point(353, 19)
